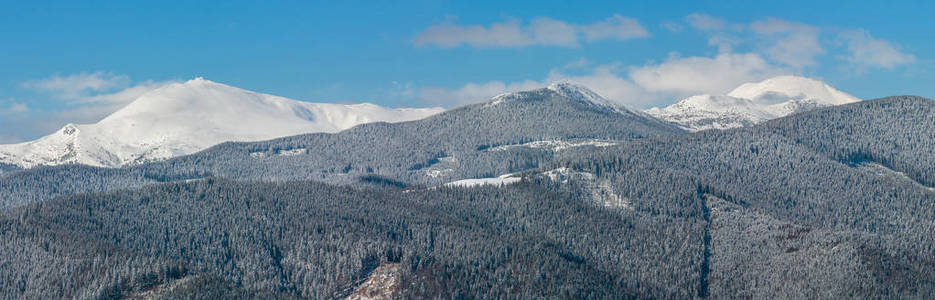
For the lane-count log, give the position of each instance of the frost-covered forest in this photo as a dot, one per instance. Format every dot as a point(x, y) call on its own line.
point(837, 202)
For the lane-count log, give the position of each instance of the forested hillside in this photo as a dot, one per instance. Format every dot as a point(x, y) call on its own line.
point(453, 145)
point(6, 168)
point(832, 203)
point(313, 240)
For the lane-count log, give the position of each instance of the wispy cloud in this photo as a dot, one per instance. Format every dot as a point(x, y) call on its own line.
point(77, 86)
point(745, 52)
point(91, 88)
point(639, 86)
point(785, 42)
point(697, 75)
point(616, 27)
point(13, 108)
point(85, 97)
point(20, 127)
point(472, 92)
point(799, 45)
point(541, 31)
point(864, 51)
point(705, 22)
point(673, 27)
point(790, 43)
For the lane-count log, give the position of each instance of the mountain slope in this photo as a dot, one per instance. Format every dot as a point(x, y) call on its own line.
point(776, 210)
point(187, 117)
point(475, 141)
point(752, 103)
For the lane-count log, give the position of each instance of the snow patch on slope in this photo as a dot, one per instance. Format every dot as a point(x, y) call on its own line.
point(496, 181)
point(184, 118)
point(752, 103)
point(601, 190)
point(382, 283)
point(555, 145)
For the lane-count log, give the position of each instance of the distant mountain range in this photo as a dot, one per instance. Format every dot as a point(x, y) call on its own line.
point(184, 118)
point(552, 192)
point(752, 103)
point(501, 135)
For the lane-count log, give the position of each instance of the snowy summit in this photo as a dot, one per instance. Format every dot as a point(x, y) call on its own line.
point(184, 118)
point(752, 103)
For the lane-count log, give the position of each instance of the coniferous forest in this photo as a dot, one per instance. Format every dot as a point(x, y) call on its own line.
point(837, 202)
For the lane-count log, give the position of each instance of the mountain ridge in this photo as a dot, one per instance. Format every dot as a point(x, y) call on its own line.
point(183, 118)
point(752, 103)
point(591, 221)
point(460, 143)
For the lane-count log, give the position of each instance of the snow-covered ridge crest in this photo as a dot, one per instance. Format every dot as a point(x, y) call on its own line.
point(785, 88)
point(752, 103)
point(570, 91)
point(579, 92)
point(184, 118)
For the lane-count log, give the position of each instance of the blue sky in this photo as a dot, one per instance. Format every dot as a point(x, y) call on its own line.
point(75, 62)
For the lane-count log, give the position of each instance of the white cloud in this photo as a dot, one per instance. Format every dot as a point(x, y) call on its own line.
point(77, 82)
point(449, 35)
point(798, 45)
point(705, 22)
point(77, 85)
point(746, 52)
point(127, 94)
point(616, 27)
point(785, 42)
point(644, 86)
point(36, 125)
point(673, 27)
point(607, 81)
point(604, 80)
point(541, 31)
point(868, 52)
point(725, 42)
point(12, 114)
point(790, 43)
point(695, 75)
point(578, 63)
point(472, 92)
point(93, 88)
point(551, 32)
point(78, 98)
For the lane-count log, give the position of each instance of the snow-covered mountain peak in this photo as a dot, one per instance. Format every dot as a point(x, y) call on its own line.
point(752, 103)
point(785, 88)
point(571, 93)
point(183, 118)
point(566, 90)
point(579, 92)
point(196, 96)
point(714, 102)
